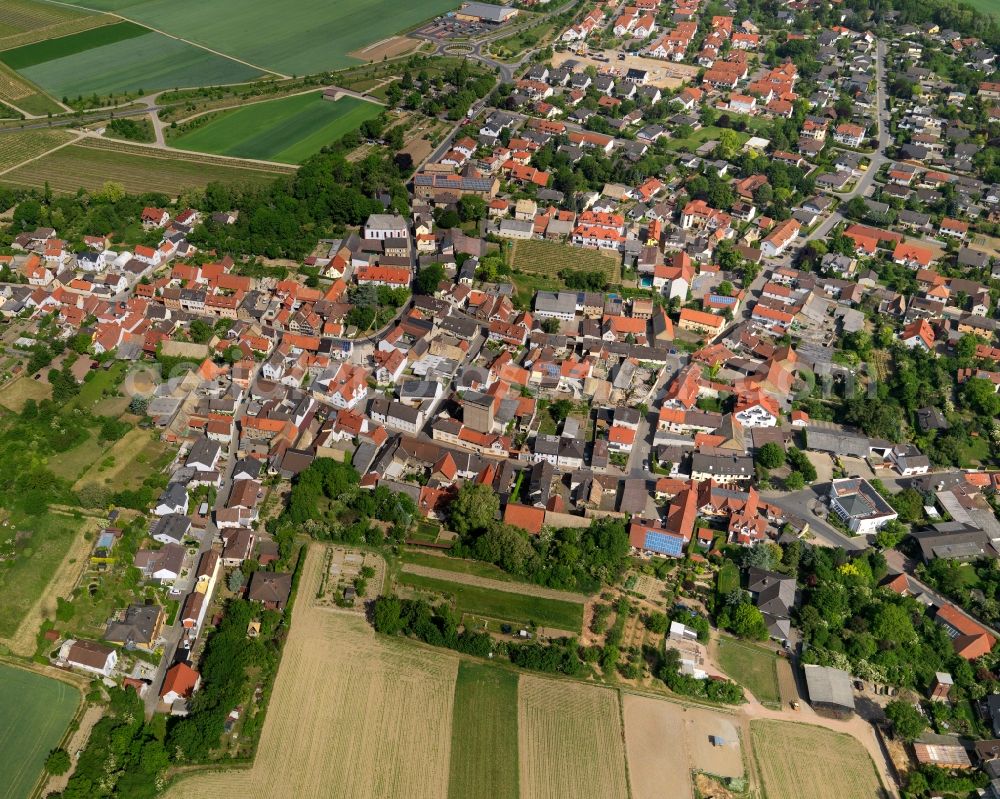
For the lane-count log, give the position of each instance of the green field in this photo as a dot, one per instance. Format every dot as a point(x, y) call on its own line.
point(549, 258)
point(120, 58)
point(42, 543)
point(484, 734)
point(477, 568)
point(503, 605)
point(92, 162)
point(288, 130)
point(34, 714)
point(291, 37)
point(753, 667)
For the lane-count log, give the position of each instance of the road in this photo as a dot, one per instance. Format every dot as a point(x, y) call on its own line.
point(877, 158)
point(172, 635)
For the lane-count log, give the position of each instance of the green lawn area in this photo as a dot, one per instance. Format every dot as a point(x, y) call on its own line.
point(121, 58)
point(985, 7)
point(93, 390)
point(292, 37)
point(699, 137)
point(34, 714)
point(503, 605)
point(976, 452)
point(484, 750)
point(41, 544)
point(288, 130)
point(476, 568)
point(751, 666)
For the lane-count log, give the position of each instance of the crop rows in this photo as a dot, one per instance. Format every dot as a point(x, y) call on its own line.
point(16, 148)
point(65, 28)
point(26, 15)
point(786, 758)
point(551, 258)
point(168, 155)
point(570, 741)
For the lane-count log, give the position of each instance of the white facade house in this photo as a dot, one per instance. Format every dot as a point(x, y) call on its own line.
point(860, 506)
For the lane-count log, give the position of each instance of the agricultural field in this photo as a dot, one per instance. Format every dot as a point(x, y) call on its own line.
point(570, 741)
point(21, 16)
point(288, 130)
point(91, 162)
point(752, 667)
point(666, 741)
point(500, 601)
point(549, 258)
point(786, 759)
point(352, 715)
point(35, 712)
point(16, 92)
point(476, 568)
point(484, 734)
point(120, 58)
point(16, 148)
point(292, 37)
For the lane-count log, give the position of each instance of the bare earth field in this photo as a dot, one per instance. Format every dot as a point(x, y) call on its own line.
point(666, 741)
point(789, 761)
point(570, 741)
point(352, 715)
point(393, 47)
point(14, 395)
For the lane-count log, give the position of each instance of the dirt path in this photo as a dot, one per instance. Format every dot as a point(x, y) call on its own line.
point(24, 640)
point(496, 585)
point(76, 742)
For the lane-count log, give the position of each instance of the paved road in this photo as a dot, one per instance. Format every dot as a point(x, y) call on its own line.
point(878, 158)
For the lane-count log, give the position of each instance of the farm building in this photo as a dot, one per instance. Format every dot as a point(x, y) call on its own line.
point(830, 691)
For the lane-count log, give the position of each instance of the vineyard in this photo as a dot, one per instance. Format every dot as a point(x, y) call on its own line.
point(16, 148)
point(20, 16)
point(484, 734)
point(788, 766)
point(550, 258)
point(570, 741)
point(16, 90)
point(91, 162)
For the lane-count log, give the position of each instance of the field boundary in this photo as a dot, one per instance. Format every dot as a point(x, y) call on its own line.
point(169, 36)
point(94, 142)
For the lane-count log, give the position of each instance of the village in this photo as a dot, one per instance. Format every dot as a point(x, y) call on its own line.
point(731, 283)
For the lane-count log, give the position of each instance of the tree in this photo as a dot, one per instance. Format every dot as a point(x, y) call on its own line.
point(235, 581)
point(471, 208)
point(890, 534)
point(795, 481)
point(474, 509)
point(560, 409)
point(907, 722)
point(428, 278)
point(550, 326)
point(57, 762)
point(771, 456)
point(748, 622)
point(725, 288)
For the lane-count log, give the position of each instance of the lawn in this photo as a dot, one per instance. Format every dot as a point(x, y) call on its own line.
point(984, 7)
point(93, 390)
point(14, 395)
point(39, 544)
point(128, 462)
point(291, 37)
point(502, 605)
point(34, 714)
point(975, 453)
point(288, 130)
point(699, 137)
point(92, 162)
point(484, 734)
point(549, 258)
point(753, 667)
point(121, 58)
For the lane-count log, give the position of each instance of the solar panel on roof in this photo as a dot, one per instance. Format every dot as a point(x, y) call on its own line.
point(663, 543)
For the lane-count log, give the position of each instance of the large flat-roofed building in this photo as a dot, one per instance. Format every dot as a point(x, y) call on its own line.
point(830, 691)
point(859, 505)
point(485, 12)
